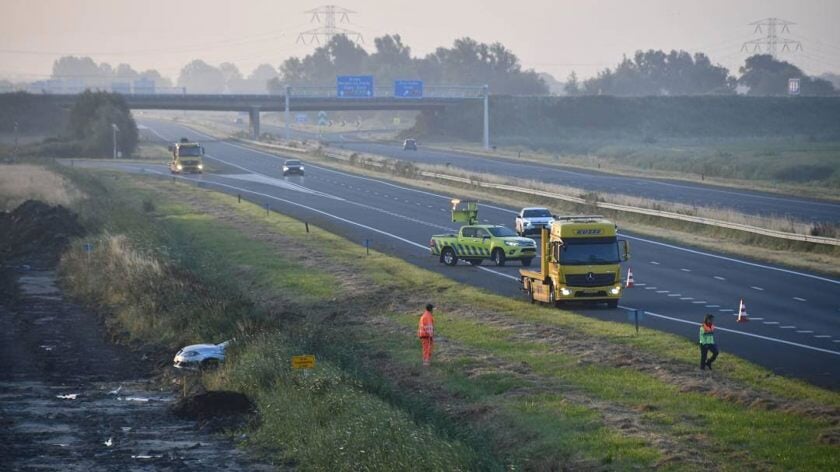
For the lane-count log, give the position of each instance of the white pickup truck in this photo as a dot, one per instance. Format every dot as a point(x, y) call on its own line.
point(532, 220)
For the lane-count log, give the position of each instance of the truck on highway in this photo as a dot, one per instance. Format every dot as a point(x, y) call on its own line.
point(476, 243)
point(580, 260)
point(186, 157)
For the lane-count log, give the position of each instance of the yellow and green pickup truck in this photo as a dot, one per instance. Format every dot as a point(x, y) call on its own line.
point(475, 243)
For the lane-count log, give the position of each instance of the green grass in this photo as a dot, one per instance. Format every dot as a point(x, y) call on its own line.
point(529, 403)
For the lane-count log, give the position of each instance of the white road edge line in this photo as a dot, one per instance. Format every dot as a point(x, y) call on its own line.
point(741, 333)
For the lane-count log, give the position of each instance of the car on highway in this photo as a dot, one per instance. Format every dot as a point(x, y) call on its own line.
point(292, 166)
point(533, 220)
point(410, 145)
point(200, 356)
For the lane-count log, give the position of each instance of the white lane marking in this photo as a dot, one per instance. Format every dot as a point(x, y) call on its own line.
point(738, 261)
point(662, 291)
point(757, 288)
point(279, 183)
point(640, 285)
point(805, 331)
point(799, 299)
point(698, 302)
point(787, 327)
point(712, 306)
point(822, 336)
point(654, 262)
point(650, 288)
point(741, 333)
point(686, 270)
point(726, 310)
point(674, 294)
point(720, 278)
point(835, 340)
point(687, 298)
point(770, 322)
point(752, 318)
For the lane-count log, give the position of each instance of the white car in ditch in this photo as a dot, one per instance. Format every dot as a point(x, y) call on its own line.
point(201, 356)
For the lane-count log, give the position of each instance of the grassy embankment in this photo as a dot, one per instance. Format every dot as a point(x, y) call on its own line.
point(513, 384)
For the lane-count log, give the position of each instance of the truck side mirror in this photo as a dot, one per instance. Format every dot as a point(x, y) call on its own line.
point(625, 256)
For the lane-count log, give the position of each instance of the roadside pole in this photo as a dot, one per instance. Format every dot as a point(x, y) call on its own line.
point(286, 115)
point(486, 118)
point(115, 130)
point(15, 152)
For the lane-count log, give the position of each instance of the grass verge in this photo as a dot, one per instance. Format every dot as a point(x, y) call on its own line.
point(514, 385)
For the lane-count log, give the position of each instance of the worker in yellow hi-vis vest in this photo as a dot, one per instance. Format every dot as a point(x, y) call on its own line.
point(426, 333)
point(707, 342)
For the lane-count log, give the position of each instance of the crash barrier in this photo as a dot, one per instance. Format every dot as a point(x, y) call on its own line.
point(382, 162)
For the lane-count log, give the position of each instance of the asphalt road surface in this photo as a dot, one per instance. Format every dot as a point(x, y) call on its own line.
point(753, 203)
point(795, 316)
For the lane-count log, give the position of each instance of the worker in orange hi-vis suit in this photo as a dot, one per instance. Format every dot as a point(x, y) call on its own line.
point(426, 333)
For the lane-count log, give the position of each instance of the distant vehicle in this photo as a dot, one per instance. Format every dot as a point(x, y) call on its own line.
point(410, 145)
point(292, 167)
point(201, 356)
point(533, 220)
point(186, 157)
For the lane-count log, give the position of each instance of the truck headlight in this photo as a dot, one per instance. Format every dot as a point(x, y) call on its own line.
point(301, 168)
point(179, 167)
point(200, 166)
point(615, 290)
point(285, 168)
point(565, 292)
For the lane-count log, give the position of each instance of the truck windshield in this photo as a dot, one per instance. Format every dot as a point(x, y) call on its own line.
point(501, 231)
point(582, 253)
point(536, 213)
point(191, 151)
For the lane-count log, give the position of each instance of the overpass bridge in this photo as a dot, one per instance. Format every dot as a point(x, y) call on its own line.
point(297, 99)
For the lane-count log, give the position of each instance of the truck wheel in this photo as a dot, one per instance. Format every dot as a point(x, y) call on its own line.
point(476, 262)
point(526, 262)
point(612, 303)
point(448, 257)
point(499, 257)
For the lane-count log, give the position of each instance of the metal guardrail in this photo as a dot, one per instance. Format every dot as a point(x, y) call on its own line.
point(345, 155)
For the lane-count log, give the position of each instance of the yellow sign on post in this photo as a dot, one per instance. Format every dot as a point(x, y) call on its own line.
point(303, 362)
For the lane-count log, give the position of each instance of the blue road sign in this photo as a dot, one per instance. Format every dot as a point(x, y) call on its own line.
point(408, 89)
point(87, 247)
point(301, 118)
point(354, 86)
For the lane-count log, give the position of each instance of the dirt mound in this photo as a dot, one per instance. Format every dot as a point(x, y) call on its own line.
point(37, 230)
point(212, 404)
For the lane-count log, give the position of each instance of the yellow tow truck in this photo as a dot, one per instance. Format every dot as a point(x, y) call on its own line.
point(186, 157)
point(580, 260)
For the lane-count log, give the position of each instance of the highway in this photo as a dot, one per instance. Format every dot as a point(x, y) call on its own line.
point(754, 203)
point(795, 316)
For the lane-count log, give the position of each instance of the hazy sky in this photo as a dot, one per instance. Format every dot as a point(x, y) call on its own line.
point(555, 36)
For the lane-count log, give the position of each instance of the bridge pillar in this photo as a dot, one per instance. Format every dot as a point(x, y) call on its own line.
point(486, 118)
point(286, 115)
point(254, 122)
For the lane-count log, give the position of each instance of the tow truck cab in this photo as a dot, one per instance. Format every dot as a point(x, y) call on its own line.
point(186, 157)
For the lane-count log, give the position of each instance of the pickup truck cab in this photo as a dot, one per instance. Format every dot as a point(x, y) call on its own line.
point(533, 220)
point(475, 243)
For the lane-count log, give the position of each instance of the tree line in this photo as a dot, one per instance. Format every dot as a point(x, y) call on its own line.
point(469, 62)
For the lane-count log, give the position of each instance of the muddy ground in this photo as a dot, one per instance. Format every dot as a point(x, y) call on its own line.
point(72, 400)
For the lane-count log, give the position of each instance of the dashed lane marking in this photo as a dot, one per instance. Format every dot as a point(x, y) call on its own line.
point(687, 298)
point(699, 302)
point(757, 288)
point(822, 336)
point(651, 288)
point(770, 322)
point(805, 331)
point(799, 299)
point(726, 310)
point(720, 278)
point(787, 327)
point(712, 306)
point(686, 270)
point(662, 291)
point(674, 294)
point(752, 318)
point(654, 262)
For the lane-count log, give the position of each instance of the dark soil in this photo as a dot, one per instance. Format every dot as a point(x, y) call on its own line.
point(207, 405)
point(69, 398)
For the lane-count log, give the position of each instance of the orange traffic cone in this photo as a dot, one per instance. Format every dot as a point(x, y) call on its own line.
point(742, 312)
point(630, 282)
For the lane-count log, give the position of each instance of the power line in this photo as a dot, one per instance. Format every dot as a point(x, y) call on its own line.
point(771, 41)
point(329, 30)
